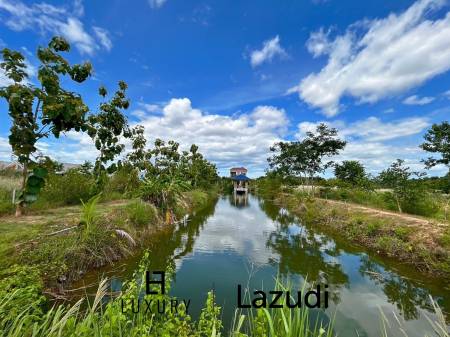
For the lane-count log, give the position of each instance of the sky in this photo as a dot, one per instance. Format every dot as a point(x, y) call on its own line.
point(236, 77)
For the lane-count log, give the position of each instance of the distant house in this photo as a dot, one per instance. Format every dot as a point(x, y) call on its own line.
point(235, 171)
point(240, 179)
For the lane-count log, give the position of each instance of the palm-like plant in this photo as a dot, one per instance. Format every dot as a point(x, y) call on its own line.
point(89, 214)
point(163, 190)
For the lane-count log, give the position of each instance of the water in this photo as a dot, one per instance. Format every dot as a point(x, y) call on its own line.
point(250, 241)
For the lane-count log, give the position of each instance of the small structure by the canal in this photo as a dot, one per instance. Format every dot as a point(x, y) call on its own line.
point(240, 180)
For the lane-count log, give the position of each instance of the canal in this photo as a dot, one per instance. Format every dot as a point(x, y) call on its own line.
point(250, 241)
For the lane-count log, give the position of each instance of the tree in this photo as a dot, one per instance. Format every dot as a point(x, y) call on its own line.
point(49, 164)
point(350, 171)
point(37, 112)
point(397, 177)
point(305, 158)
point(437, 140)
point(86, 168)
point(107, 127)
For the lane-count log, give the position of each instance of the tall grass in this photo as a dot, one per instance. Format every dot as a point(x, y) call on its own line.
point(280, 322)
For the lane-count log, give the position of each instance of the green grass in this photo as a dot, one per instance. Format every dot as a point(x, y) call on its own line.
point(423, 244)
point(418, 202)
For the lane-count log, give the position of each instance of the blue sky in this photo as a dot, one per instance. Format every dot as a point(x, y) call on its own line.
point(234, 77)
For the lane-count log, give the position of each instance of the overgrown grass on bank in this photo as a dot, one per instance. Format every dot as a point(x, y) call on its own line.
point(419, 242)
point(424, 203)
point(64, 243)
point(414, 241)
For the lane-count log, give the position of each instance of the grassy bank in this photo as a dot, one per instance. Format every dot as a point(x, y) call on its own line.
point(61, 244)
point(421, 242)
point(419, 202)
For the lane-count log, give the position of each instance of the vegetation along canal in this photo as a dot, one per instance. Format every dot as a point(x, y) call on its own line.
point(250, 241)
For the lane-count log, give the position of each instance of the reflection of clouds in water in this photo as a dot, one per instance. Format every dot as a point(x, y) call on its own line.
point(359, 309)
point(246, 232)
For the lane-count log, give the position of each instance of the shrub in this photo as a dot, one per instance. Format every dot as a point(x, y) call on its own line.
point(421, 203)
point(140, 213)
point(402, 232)
point(67, 189)
point(123, 182)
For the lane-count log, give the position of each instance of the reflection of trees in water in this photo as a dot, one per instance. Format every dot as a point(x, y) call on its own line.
point(177, 241)
point(406, 296)
point(302, 252)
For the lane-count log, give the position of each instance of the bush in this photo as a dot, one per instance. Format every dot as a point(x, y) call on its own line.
point(421, 203)
point(67, 189)
point(123, 182)
point(140, 213)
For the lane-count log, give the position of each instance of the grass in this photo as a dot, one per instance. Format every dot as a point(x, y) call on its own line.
point(280, 322)
point(416, 241)
point(419, 202)
point(7, 185)
point(97, 234)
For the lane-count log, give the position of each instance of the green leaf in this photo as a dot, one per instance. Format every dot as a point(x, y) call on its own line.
point(33, 190)
point(40, 172)
point(34, 181)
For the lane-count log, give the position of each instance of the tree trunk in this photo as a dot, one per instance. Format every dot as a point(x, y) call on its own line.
point(19, 205)
point(398, 204)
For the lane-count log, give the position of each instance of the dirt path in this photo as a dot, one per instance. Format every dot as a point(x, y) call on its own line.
point(427, 228)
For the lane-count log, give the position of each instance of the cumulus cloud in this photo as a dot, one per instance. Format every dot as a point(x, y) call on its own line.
point(271, 49)
point(369, 140)
point(55, 20)
point(415, 100)
point(156, 3)
point(379, 58)
point(225, 140)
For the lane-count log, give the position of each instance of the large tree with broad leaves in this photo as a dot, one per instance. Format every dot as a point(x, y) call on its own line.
point(48, 109)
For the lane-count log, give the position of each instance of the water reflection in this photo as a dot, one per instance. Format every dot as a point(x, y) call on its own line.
point(249, 241)
point(239, 200)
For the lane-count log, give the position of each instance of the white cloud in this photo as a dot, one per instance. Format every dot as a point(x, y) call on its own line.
point(318, 43)
point(54, 20)
point(372, 129)
point(5, 149)
point(379, 58)
point(150, 107)
point(156, 3)
point(271, 48)
point(224, 140)
point(415, 100)
point(103, 37)
point(447, 94)
point(368, 141)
